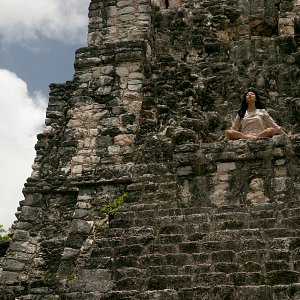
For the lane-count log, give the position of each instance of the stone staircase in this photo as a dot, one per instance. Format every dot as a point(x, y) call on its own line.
point(189, 229)
point(199, 252)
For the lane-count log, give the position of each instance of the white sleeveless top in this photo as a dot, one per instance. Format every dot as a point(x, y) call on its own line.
point(254, 123)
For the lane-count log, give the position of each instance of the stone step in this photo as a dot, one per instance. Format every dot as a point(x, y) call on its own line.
point(217, 214)
point(177, 243)
point(281, 232)
point(125, 232)
point(246, 260)
point(176, 282)
point(223, 278)
point(201, 222)
point(136, 207)
point(277, 265)
point(165, 294)
point(291, 212)
point(229, 216)
point(223, 267)
point(163, 270)
point(291, 222)
point(266, 223)
point(262, 219)
point(129, 283)
point(246, 292)
point(233, 235)
point(118, 295)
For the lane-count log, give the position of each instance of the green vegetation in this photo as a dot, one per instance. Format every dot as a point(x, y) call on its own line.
point(50, 277)
point(3, 233)
point(112, 208)
point(71, 276)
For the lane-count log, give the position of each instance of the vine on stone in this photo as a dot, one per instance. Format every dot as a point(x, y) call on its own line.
point(107, 212)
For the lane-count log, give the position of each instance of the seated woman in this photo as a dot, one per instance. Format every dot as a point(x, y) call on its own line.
point(252, 120)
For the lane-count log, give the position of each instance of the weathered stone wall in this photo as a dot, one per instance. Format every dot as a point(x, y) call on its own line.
point(119, 20)
point(220, 220)
point(144, 115)
point(206, 58)
point(92, 121)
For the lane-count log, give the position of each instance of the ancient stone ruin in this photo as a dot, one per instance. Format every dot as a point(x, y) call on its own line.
point(142, 121)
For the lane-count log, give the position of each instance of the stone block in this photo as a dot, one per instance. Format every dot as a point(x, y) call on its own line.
point(123, 3)
point(253, 293)
point(282, 277)
point(226, 267)
point(286, 26)
point(251, 267)
point(102, 91)
point(189, 247)
point(170, 281)
point(247, 279)
point(25, 247)
point(8, 277)
point(212, 279)
point(113, 121)
point(130, 272)
point(223, 256)
point(276, 265)
point(6, 293)
point(144, 8)
point(14, 265)
point(184, 171)
point(113, 150)
point(111, 11)
point(200, 258)
point(126, 17)
point(21, 235)
point(124, 139)
point(201, 292)
point(252, 244)
point(257, 256)
point(292, 222)
point(279, 184)
point(196, 269)
point(91, 286)
point(129, 250)
point(76, 170)
point(134, 86)
point(166, 294)
point(179, 259)
point(131, 261)
point(226, 167)
point(81, 226)
point(33, 199)
point(171, 238)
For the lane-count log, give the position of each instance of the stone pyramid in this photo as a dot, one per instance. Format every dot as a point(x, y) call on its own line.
point(134, 194)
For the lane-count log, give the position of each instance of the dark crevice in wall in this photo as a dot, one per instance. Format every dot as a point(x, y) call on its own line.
point(263, 27)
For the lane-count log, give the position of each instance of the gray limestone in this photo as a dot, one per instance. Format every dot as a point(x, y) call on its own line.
point(144, 115)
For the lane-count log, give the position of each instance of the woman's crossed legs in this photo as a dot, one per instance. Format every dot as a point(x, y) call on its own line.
point(232, 134)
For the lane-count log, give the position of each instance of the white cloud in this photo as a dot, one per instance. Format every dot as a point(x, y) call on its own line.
point(21, 118)
point(22, 113)
point(25, 21)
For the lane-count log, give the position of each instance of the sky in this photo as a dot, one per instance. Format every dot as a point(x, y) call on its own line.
point(38, 39)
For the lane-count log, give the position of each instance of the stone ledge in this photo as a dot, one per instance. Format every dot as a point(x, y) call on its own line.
point(264, 148)
point(90, 56)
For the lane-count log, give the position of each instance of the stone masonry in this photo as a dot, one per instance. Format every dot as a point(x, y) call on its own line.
point(144, 114)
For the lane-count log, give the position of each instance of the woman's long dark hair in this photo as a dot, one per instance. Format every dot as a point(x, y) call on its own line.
point(244, 104)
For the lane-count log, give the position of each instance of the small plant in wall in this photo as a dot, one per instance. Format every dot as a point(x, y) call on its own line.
point(107, 212)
